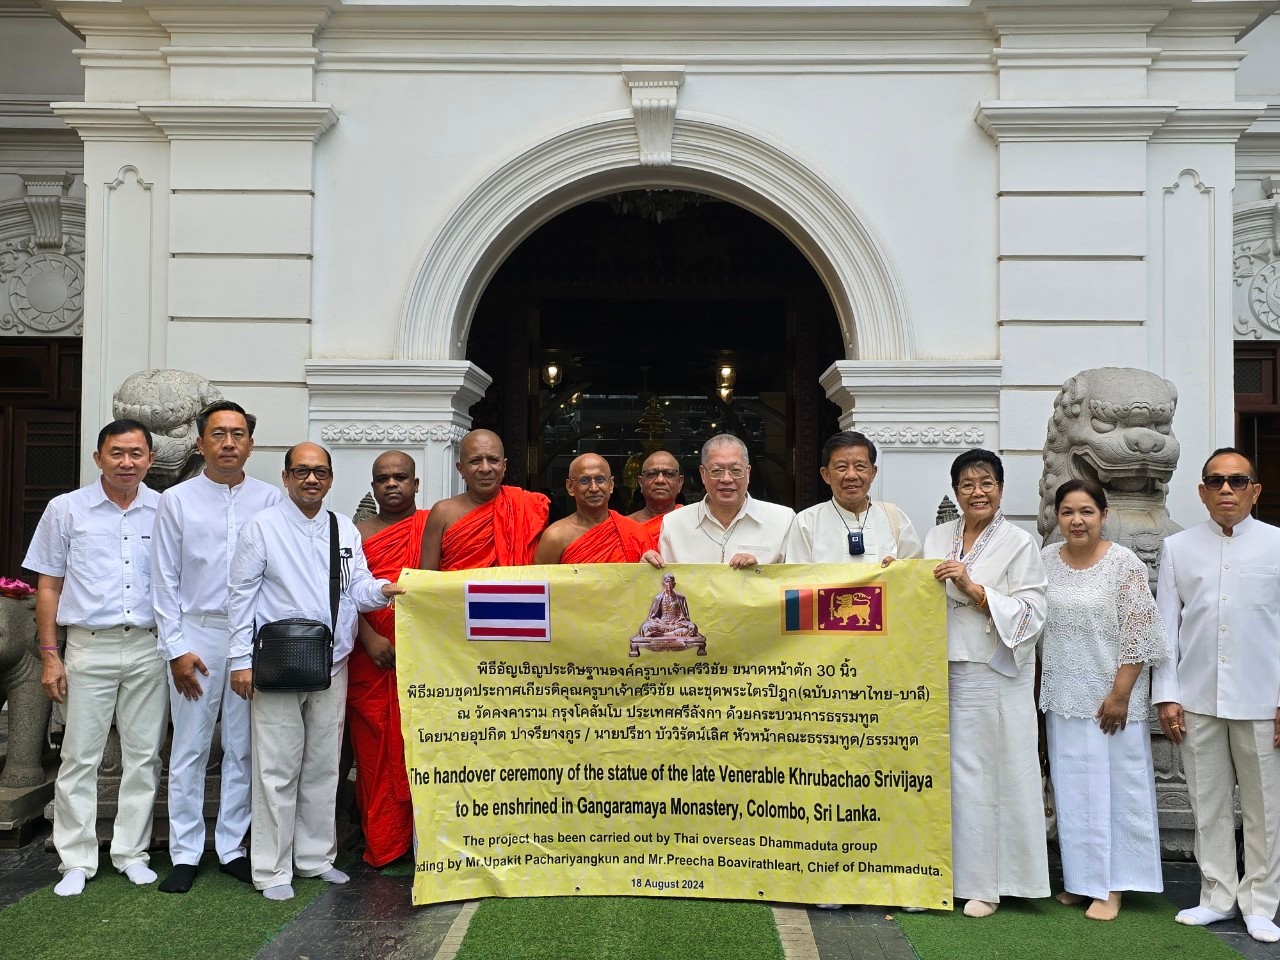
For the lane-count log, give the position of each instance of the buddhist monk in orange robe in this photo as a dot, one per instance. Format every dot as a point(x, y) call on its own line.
point(592, 533)
point(488, 524)
point(660, 485)
point(392, 541)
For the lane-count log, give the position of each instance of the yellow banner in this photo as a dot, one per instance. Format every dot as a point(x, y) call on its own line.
point(776, 734)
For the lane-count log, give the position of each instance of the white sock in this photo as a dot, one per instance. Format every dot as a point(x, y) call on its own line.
point(333, 875)
point(139, 873)
point(1262, 928)
point(1201, 916)
point(281, 891)
point(71, 884)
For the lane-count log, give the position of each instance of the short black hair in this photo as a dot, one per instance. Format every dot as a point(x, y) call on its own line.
point(1223, 451)
point(117, 427)
point(1092, 490)
point(219, 406)
point(973, 458)
point(848, 438)
point(288, 455)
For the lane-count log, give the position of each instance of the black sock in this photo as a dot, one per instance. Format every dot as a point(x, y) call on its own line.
point(238, 868)
point(180, 878)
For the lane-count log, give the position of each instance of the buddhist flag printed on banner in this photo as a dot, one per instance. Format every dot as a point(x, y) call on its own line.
point(828, 610)
point(508, 611)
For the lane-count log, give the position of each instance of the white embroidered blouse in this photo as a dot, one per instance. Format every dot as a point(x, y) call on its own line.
point(1099, 618)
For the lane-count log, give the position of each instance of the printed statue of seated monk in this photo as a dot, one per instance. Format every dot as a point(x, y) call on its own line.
point(669, 626)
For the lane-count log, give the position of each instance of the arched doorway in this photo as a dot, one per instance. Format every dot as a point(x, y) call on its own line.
point(643, 300)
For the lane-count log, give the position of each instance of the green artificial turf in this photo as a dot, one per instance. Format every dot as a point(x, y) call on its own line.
point(218, 918)
point(1046, 930)
point(620, 928)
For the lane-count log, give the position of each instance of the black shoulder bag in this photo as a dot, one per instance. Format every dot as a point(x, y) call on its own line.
point(296, 655)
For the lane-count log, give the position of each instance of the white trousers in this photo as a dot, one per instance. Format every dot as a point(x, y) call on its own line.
point(110, 673)
point(297, 742)
point(1218, 754)
point(193, 726)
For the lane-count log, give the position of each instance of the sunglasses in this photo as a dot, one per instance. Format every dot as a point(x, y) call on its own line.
point(1237, 481)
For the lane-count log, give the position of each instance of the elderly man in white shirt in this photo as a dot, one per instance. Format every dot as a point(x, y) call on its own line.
point(850, 528)
point(281, 570)
point(1219, 696)
point(91, 551)
point(727, 525)
point(197, 525)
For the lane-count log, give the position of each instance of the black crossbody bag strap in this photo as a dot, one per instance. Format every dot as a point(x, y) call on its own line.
point(335, 572)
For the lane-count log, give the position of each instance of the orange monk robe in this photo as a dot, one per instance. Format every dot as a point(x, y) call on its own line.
point(616, 540)
point(653, 527)
point(501, 533)
point(373, 709)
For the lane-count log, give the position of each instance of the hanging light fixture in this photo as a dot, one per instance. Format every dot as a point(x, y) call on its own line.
point(552, 374)
point(726, 377)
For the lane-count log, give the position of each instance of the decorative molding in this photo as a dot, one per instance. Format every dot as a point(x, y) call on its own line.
point(1020, 121)
point(42, 260)
point(1255, 261)
point(709, 154)
point(948, 435)
point(654, 92)
point(240, 120)
point(44, 195)
point(376, 433)
point(1209, 123)
point(106, 121)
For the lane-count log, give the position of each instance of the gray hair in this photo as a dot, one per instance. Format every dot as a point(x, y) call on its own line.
point(724, 440)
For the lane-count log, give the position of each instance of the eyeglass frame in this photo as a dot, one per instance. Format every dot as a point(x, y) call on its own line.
point(718, 473)
point(1214, 481)
point(653, 473)
point(969, 488)
point(322, 473)
point(587, 483)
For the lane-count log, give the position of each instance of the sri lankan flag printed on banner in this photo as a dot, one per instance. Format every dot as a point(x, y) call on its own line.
point(777, 733)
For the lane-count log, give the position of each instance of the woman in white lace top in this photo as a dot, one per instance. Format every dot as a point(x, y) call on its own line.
point(1101, 634)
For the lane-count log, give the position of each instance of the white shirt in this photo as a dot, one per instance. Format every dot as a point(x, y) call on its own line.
point(693, 535)
point(821, 534)
point(102, 554)
point(281, 570)
point(1219, 598)
point(197, 525)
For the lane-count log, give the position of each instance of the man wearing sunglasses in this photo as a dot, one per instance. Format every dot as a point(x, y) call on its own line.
point(1219, 696)
point(660, 484)
point(592, 533)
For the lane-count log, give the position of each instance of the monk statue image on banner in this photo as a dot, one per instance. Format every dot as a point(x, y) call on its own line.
point(669, 626)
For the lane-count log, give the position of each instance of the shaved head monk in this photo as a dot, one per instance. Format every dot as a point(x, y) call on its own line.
point(592, 533)
point(660, 485)
point(392, 542)
point(488, 524)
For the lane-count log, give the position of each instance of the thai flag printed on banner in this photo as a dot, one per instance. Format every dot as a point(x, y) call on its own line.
point(508, 611)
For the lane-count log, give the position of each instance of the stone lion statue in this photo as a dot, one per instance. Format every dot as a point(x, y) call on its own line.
point(1114, 425)
point(167, 401)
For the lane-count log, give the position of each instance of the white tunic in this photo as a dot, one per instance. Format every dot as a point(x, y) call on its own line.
point(102, 554)
point(1099, 618)
point(196, 529)
point(281, 570)
point(1219, 598)
point(693, 535)
point(820, 534)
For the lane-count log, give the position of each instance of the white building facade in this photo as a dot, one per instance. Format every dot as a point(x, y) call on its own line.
point(305, 202)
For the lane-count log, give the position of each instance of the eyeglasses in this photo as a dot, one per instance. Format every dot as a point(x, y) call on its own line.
point(301, 473)
point(238, 435)
point(1238, 481)
point(655, 474)
point(968, 488)
point(718, 473)
point(585, 482)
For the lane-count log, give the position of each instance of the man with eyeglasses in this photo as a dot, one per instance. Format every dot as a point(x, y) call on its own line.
point(197, 525)
point(1219, 695)
point(727, 525)
point(850, 527)
point(592, 533)
point(280, 571)
point(489, 524)
point(660, 484)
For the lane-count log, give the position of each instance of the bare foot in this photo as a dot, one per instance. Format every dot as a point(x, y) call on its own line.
point(1107, 909)
point(980, 908)
point(1069, 899)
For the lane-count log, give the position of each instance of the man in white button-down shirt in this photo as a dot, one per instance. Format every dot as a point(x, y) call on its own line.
point(197, 525)
point(727, 525)
point(281, 570)
point(91, 549)
point(1219, 697)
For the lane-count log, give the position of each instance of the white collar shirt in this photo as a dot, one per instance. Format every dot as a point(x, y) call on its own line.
point(693, 535)
point(281, 570)
point(1219, 598)
point(821, 535)
point(102, 554)
point(194, 538)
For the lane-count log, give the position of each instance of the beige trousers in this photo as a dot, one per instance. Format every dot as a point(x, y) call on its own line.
point(297, 740)
point(1218, 755)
